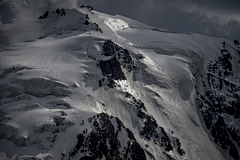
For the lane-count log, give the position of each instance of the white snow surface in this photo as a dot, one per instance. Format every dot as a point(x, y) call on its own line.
point(116, 24)
point(60, 52)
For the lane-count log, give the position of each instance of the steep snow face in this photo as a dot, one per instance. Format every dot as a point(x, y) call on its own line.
point(54, 23)
point(86, 85)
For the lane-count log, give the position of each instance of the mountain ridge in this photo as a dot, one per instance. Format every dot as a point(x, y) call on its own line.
point(87, 80)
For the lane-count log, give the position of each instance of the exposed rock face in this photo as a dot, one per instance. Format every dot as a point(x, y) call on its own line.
point(121, 54)
point(150, 129)
point(60, 12)
point(112, 68)
point(108, 139)
point(44, 16)
point(90, 8)
point(219, 103)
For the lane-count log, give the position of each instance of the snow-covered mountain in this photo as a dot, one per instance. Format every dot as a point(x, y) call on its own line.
point(80, 84)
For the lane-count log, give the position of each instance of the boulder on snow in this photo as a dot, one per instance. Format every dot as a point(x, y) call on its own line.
point(45, 15)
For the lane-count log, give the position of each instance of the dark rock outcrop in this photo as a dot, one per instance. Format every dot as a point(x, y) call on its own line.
point(45, 15)
point(60, 12)
point(121, 54)
point(90, 8)
point(107, 140)
point(151, 130)
point(112, 68)
point(220, 99)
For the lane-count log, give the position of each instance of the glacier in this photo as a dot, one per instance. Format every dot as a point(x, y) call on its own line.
point(81, 84)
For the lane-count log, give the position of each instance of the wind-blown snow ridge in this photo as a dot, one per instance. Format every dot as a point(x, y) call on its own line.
point(80, 84)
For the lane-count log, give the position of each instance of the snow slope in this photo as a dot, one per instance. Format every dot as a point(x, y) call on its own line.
point(87, 85)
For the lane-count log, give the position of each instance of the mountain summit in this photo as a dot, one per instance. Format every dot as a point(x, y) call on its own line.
point(80, 84)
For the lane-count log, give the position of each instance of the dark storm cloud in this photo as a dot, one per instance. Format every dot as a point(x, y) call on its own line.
point(223, 5)
point(214, 18)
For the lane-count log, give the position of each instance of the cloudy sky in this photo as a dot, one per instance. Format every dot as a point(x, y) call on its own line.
point(217, 18)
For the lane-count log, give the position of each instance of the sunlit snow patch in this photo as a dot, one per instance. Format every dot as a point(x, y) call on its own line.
point(116, 24)
point(124, 85)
